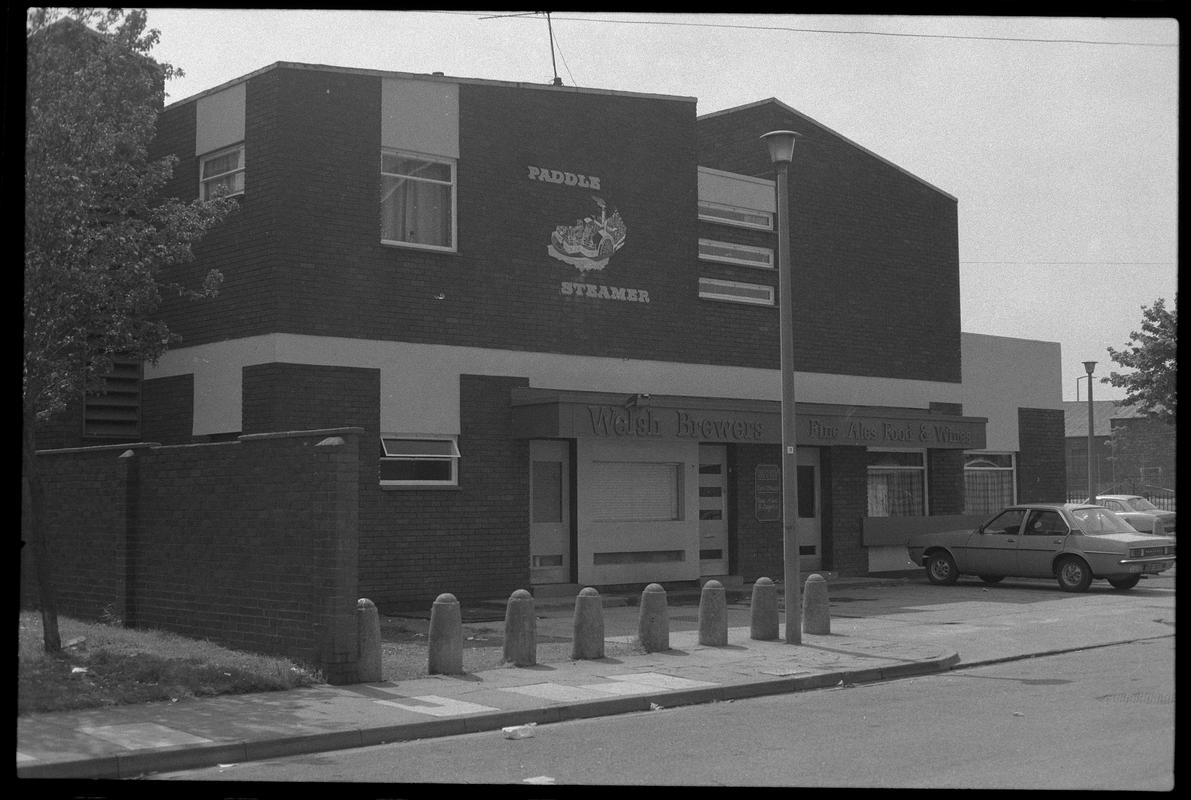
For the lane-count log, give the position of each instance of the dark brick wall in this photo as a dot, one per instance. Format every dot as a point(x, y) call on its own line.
point(303, 254)
point(875, 252)
point(245, 248)
point(252, 544)
point(845, 505)
point(945, 473)
point(758, 547)
point(289, 397)
point(415, 544)
point(472, 541)
point(64, 429)
point(1041, 467)
point(167, 410)
point(305, 248)
point(86, 515)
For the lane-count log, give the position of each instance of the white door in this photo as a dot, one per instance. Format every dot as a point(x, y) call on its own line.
point(713, 510)
point(549, 512)
point(808, 529)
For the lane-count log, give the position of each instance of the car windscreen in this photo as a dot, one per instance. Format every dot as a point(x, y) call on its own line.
point(1140, 504)
point(1095, 520)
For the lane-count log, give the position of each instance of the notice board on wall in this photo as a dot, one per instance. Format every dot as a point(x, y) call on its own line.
point(767, 492)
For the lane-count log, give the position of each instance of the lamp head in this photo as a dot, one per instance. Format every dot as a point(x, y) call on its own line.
point(1090, 366)
point(781, 145)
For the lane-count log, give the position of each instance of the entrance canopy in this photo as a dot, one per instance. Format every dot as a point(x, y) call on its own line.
point(559, 414)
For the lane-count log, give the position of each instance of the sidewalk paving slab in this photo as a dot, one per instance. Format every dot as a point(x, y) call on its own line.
point(128, 741)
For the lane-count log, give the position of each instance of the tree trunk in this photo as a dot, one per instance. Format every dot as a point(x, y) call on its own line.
point(33, 532)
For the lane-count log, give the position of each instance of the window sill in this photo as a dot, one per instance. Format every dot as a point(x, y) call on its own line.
point(420, 488)
point(431, 248)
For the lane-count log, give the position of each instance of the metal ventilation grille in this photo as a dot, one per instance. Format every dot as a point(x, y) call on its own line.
point(115, 412)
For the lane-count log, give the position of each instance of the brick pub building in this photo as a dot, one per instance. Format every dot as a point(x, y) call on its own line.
point(552, 314)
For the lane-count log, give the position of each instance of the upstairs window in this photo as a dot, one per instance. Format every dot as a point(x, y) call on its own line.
point(418, 461)
point(221, 174)
point(417, 200)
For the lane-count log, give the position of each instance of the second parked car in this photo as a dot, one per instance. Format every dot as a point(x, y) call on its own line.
point(1073, 543)
point(1139, 512)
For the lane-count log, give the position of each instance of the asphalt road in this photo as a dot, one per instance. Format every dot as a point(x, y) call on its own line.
point(1094, 714)
point(1097, 719)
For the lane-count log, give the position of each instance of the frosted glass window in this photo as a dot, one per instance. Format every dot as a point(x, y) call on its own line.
point(547, 491)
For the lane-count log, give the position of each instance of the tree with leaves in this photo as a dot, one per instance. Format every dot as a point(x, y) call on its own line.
point(98, 231)
point(1152, 386)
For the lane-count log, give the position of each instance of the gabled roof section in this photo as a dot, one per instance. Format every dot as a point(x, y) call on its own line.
point(779, 103)
point(426, 76)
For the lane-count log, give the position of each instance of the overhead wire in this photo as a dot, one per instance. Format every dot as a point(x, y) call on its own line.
point(737, 26)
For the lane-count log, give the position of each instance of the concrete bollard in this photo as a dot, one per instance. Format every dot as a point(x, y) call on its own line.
point(446, 636)
point(653, 624)
point(588, 642)
point(764, 619)
point(368, 636)
point(713, 615)
point(521, 644)
point(816, 611)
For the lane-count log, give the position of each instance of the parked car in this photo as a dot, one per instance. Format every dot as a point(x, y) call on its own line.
point(1074, 543)
point(1139, 512)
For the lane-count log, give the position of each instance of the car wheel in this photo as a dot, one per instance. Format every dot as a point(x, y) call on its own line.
point(1128, 582)
point(1074, 575)
point(992, 578)
point(940, 569)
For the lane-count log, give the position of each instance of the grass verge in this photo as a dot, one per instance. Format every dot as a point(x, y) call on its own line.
point(107, 665)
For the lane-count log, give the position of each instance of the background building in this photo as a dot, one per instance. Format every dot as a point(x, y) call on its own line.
point(1133, 453)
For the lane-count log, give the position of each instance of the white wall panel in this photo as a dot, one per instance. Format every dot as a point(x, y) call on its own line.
point(219, 119)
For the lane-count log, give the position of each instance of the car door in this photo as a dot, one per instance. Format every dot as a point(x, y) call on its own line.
point(1042, 538)
point(993, 550)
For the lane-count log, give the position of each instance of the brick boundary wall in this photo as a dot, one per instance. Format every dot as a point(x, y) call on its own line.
point(252, 544)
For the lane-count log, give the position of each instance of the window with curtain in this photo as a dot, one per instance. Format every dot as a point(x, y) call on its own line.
point(221, 174)
point(989, 482)
point(417, 200)
point(896, 483)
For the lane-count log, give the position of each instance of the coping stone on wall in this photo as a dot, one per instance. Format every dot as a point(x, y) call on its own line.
point(256, 437)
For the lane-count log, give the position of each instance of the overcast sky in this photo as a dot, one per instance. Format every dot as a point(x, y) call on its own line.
point(1059, 136)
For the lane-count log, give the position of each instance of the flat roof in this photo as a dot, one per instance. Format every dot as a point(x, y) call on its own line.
point(426, 76)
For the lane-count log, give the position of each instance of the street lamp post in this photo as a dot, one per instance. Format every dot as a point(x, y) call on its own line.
point(1090, 366)
point(781, 153)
